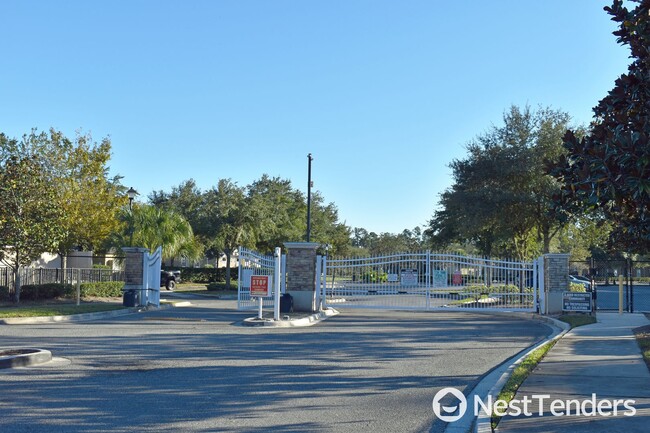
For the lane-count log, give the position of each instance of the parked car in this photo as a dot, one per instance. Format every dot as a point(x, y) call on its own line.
point(577, 279)
point(169, 279)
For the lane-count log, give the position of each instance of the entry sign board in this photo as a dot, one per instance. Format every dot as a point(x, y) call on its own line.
point(260, 286)
point(408, 277)
point(576, 301)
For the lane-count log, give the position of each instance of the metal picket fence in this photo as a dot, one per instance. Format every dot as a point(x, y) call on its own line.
point(253, 263)
point(426, 280)
point(68, 276)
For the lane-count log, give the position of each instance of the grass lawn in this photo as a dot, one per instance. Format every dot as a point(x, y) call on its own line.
point(38, 310)
point(523, 370)
point(577, 319)
point(201, 289)
point(643, 339)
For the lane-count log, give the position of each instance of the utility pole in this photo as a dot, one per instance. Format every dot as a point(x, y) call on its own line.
point(309, 185)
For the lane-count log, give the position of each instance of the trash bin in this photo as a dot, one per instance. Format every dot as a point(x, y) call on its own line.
point(286, 303)
point(130, 298)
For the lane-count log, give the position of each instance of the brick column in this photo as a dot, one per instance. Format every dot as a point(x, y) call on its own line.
point(301, 275)
point(134, 271)
point(556, 281)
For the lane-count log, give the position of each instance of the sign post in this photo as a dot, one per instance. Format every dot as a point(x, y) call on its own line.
point(620, 294)
point(276, 283)
point(260, 289)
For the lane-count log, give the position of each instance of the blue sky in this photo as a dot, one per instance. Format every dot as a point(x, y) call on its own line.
point(384, 94)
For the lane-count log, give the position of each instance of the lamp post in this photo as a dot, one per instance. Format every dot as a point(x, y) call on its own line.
point(309, 185)
point(131, 193)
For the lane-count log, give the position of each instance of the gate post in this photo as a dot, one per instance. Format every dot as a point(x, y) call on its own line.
point(301, 275)
point(134, 278)
point(556, 281)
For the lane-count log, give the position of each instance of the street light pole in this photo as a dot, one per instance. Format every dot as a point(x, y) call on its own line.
point(131, 193)
point(309, 185)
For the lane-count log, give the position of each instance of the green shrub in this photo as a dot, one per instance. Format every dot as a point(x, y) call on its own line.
point(221, 285)
point(96, 266)
point(4, 293)
point(576, 287)
point(109, 289)
point(374, 277)
point(33, 292)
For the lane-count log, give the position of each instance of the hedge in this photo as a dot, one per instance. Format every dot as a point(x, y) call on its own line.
point(35, 292)
point(497, 288)
point(4, 293)
point(110, 289)
point(204, 275)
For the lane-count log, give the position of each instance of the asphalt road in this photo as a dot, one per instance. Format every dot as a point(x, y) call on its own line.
point(608, 297)
point(195, 370)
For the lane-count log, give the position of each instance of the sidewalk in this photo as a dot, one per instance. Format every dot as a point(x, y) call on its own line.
point(602, 358)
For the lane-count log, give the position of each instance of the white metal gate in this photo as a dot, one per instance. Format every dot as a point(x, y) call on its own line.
point(426, 280)
point(253, 263)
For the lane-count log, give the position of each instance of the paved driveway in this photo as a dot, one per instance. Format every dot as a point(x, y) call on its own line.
point(194, 370)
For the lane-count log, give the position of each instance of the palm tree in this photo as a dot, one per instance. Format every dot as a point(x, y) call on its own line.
point(150, 227)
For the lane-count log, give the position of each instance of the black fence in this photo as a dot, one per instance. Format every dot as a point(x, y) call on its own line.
point(605, 274)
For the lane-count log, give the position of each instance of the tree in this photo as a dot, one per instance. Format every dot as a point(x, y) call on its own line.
point(185, 199)
point(29, 215)
point(150, 227)
point(229, 219)
point(609, 169)
point(325, 226)
point(189, 201)
point(279, 212)
point(78, 170)
point(501, 196)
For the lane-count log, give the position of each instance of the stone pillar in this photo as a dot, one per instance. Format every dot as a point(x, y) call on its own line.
point(301, 275)
point(134, 271)
point(556, 281)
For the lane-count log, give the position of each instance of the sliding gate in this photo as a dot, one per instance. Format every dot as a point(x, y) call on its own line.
point(427, 280)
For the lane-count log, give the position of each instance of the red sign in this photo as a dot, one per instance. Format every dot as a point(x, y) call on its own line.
point(260, 286)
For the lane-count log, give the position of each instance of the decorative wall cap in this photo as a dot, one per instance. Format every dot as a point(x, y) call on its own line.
point(303, 245)
point(134, 249)
point(551, 255)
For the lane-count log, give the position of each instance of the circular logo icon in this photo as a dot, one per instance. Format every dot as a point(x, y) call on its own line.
point(454, 406)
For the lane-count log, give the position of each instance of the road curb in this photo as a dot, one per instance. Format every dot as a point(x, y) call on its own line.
point(495, 379)
point(84, 317)
point(483, 422)
point(291, 323)
point(31, 356)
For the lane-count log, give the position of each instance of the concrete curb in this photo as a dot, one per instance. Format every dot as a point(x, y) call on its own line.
point(493, 381)
point(30, 356)
point(84, 317)
point(304, 321)
point(483, 423)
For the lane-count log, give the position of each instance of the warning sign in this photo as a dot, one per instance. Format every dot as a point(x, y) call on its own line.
point(260, 286)
point(576, 301)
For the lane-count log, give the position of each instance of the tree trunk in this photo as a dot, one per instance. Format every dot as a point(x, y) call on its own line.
point(227, 251)
point(16, 271)
point(64, 265)
point(547, 242)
